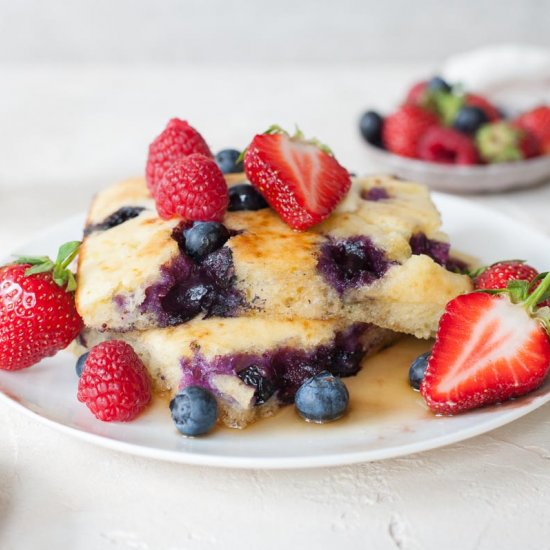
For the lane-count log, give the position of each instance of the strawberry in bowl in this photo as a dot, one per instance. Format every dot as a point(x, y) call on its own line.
point(459, 141)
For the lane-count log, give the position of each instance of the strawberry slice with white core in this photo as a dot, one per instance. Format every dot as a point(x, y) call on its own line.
point(488, 349)
point(300, 179)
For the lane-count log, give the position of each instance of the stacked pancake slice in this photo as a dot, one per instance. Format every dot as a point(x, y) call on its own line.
point(273, 306)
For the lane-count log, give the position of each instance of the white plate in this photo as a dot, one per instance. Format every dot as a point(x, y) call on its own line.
point(464, 179)
point(387, 419)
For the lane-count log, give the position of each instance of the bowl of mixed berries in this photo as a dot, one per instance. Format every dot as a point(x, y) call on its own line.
point(458, 141)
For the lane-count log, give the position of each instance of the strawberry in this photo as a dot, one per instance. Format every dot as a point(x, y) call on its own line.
point(403, 129)
point(417, 93)
point(537, 121)
point(38, 316)
point(300, 179)
point(503, 142)
point(447, 146)
point(500, 274)
point(194, 188)
point(176, 141)
point(474, 100)
point(489, 347)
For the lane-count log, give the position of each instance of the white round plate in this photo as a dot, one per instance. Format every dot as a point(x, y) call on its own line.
point(386, 419)
point(464, 179)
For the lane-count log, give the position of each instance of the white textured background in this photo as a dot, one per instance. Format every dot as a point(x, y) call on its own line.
point(264, 31)
point(84, 86)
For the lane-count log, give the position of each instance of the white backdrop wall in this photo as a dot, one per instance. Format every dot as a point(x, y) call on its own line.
point(213, 31)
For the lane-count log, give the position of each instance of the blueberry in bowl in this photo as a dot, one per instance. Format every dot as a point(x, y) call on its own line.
point(456, 140)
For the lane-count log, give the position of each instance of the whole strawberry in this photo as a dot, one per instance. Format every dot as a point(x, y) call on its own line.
point(114, 384)
point(475, 100)
point(490, 347)
point(447, 146)
point(403, 129)
point(38, 316)
point(537, 121)
point(176, 141)
point(194, 188)
point(499, 274)
point(503, 142)
point(300, 179)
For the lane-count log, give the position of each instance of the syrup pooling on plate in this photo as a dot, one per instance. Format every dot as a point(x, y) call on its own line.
point(379, 394)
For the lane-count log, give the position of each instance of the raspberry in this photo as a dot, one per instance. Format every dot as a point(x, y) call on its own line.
point(114, 384)
point(177, 140)
point(447, 146)
point(404, 128)
point(194, 188)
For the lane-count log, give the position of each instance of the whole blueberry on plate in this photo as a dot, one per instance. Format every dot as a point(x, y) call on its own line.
point(245, 197)
point(80, 363)
point(194, 411)
point(469, 119)
point(322, 398)
point(370, 125)
point(227, 161)
point(417, 370)
point(205, 237)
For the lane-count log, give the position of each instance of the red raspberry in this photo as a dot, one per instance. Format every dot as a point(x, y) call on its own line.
point(177, 140)
point(114, 383)
point(194, 188)
point(500, 274)
point(404, 128)
point(447, 146)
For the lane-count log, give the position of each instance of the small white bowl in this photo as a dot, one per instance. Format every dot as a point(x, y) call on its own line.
point(490, 178)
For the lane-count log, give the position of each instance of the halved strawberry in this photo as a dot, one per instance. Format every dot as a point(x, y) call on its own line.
point(300, 179)
point(489, 347)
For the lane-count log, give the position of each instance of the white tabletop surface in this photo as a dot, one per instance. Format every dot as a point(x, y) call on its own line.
point(67, 131)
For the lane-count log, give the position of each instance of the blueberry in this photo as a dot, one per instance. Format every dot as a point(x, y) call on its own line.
point(204, 238)
point(226, 159)
point(184, 302)
point(80, 363)
point(346, 363)
point(194, 411)
point(118, 217)
point(322, 398)
point(418, 369)
point(370, 125)
point(245, 197)
point(469, 119)
point(255, 376)
point(437, 84)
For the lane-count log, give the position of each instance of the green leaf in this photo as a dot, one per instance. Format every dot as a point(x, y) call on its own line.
point(67, 253)
point(447, 105)
point(39, 268)
point(71, 282)
point(518, 290)
point(32, 260)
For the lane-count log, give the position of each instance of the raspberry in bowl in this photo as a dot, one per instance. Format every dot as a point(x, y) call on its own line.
point(457, 141)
